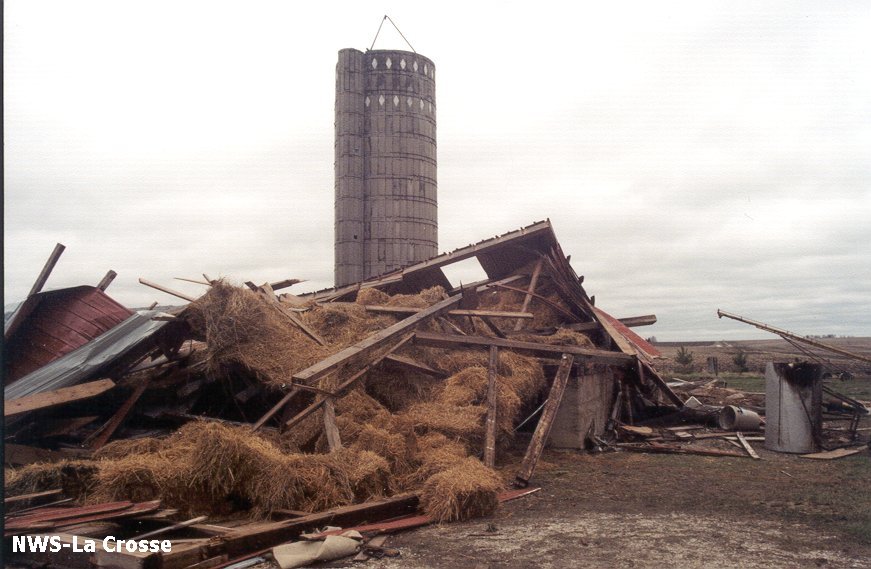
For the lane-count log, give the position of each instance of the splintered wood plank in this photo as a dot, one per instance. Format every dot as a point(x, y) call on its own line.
point(373, 342)
point(837, 453)
point(551, 406)
point(533, 281)
point(57, 397)
point(492, 400)
point(42, 278)
point(746, 445)
point(332, 431)
point(547, 350)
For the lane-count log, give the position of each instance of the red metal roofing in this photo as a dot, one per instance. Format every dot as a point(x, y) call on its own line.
point(56, 323)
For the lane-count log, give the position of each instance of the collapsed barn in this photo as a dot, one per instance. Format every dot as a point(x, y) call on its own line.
point(403, 390)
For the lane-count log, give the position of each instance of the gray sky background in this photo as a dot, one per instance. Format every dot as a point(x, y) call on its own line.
point(691, 155)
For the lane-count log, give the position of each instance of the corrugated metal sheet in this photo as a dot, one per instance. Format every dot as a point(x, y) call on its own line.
point(51, 324)
point(88, 360)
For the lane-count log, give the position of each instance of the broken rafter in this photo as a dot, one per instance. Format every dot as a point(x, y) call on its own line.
point(169, 291)
point(112, 425)
point(547, 301)
point(547, 350)
point(457, 312)
point(629, 322)
point(269, 295)
point(107, 280)
point(46, 269)
point(276, 408)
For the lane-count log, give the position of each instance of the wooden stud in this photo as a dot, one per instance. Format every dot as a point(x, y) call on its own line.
point(551, 406)
point(169, 291)
point(492, 404)
point(533, 281)
point(333, 438)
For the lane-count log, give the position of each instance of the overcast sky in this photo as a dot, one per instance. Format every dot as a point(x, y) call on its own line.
point(691, 155)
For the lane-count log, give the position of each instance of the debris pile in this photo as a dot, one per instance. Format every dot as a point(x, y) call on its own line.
point(395, 396)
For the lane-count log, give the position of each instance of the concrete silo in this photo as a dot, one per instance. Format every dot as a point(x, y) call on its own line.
point(386, 213)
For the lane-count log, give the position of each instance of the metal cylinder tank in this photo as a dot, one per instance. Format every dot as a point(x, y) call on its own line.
point(793, 407)
point(386, 207)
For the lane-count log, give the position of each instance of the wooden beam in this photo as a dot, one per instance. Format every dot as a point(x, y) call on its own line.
point(542, 430)
point(254, 537)
point(46, 269)
point(169, 291)
point(533, 281)
point(344, 386)
point(334, 440)
point(112, 425)
point(269, 295)
point(492, 404)
point(457, 312)
point(413, 365)
point(547, 301)
point(107, 280)
point(743, 440)
point(285, 283)
point(493, 328)
point(34, 496)
point(656, 379)
point(448, 325)
point(373, 342)
point(57, 397)
point(276, 408)
point(546, 350)
point(22, 454)
point(631, 322)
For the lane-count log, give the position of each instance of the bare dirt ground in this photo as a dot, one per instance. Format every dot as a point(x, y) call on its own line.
point(651, 511)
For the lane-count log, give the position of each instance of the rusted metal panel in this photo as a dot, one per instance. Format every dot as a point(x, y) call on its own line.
point(52, 324)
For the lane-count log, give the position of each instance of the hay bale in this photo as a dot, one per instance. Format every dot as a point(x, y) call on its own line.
point(74, 477)
point(434, 453)
point(372, 296)
point(368, 474)
point(423, 299)
point(126, 447)
point(241, 329)
point(390, 445)
point(452, 420)
point(345, 324)
point(466, 490)
point(562, 337)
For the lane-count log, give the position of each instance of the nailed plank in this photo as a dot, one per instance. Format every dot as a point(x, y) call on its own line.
point(533, 282)
point(345, 385)
point(746, 445)
point(373, 342)
point(334, 440)
point(492, 399)
point(542, 430)
point(547, 350)
point(837, 453)
point(57, 397)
